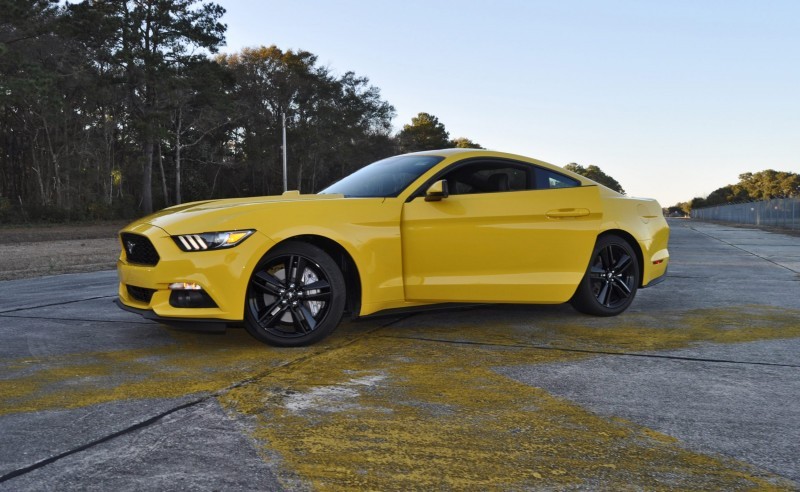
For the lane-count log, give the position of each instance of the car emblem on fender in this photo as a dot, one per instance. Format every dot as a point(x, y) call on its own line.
point(130, 246)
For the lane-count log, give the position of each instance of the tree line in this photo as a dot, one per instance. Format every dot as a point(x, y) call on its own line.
point(116, 108)
point(762, 185)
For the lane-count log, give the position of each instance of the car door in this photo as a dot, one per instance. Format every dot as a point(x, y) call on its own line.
point(526, 239)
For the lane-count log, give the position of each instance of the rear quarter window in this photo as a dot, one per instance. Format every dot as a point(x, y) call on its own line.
point(550, 180)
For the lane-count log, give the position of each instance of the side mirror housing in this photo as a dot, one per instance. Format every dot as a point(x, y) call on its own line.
point(437, 191)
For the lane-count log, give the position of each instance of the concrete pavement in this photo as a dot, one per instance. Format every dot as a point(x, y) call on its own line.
point(693, 388)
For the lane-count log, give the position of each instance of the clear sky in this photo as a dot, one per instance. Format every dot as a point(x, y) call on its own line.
point(673, 99)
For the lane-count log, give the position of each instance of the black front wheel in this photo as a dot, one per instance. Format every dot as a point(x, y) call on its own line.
point(296, 296)
point(611, 280)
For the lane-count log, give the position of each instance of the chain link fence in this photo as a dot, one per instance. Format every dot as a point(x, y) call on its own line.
point(778, 212)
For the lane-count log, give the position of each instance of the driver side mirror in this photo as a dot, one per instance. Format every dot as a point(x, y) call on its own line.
point(437, 191)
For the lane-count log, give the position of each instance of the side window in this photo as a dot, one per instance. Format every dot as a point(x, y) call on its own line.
point(488, 177)
point(548, 180)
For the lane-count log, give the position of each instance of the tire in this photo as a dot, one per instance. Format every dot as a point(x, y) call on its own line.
point(611, 279)
point(296, 296)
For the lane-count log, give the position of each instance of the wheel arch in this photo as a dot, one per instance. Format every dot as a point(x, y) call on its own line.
point(628, 238)
point(345, 262)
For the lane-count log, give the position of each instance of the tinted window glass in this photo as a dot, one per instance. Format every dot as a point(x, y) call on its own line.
point(385, 178)
point(487, 177)
point(546, 179)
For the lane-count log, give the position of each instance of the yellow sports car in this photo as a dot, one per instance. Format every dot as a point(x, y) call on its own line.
point(431, 227)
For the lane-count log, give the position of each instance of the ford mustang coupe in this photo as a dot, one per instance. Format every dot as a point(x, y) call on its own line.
point(431, 227)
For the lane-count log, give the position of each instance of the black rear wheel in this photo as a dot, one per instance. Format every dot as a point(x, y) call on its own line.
point(611, 280)
point(296, 296)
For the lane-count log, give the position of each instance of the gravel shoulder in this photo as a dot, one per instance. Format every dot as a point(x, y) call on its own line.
point(34, 251)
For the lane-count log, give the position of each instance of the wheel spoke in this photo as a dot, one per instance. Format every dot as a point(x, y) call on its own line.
point(290, 294)
point(597, 271)
point(319, 284)
point(272, 314)
point(622, 287)
point(316, 291)
point(607, 258)
point(297, 265)
point(604, 294)
point(623, 263)
point(303, 318)
point(318, 296)
point(268, 283)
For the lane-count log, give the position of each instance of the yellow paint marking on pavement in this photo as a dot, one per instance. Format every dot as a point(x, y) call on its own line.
point(390, 412)
point(627, 332)
point(195, 363)
point(434, 416)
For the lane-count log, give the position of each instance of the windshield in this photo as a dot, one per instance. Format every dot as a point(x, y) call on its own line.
point(385, 178)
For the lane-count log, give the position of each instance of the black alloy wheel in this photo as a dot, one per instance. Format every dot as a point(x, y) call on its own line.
point(296, 296)
point(611, 281)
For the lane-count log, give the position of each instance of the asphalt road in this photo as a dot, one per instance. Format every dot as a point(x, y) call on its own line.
point(695, 387)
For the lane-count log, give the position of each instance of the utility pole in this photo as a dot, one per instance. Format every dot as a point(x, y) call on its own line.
point(285, 180)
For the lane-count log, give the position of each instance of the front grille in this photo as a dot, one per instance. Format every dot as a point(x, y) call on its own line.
point(140, 294)
point(139, 249)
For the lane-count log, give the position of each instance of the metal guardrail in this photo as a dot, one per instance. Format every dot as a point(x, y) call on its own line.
point(778, 212)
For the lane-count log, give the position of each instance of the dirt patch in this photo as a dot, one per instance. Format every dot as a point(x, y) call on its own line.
point(34, 251)
point(59, 232)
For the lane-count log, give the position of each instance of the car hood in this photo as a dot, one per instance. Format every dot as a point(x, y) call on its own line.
point(226, 214)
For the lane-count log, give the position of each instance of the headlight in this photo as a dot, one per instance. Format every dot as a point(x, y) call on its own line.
point(211, 240)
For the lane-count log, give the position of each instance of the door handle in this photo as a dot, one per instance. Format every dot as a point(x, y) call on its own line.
point(564, 213)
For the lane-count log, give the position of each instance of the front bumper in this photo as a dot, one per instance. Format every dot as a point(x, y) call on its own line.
point(210, 325)
point(222, 274)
